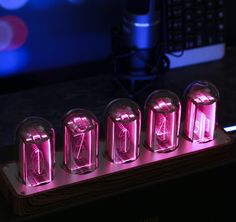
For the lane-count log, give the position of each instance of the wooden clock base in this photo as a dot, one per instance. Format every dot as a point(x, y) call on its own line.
point(67, 189)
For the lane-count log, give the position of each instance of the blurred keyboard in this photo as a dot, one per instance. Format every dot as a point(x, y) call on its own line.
point(194, 29)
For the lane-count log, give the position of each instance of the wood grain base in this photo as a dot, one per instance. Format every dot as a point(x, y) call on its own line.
point(109, 178)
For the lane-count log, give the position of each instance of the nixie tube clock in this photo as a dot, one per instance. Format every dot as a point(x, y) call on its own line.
point(123, 131)
point(80, 141)
point(36, 141)
point(201, 104)
point(163, 114)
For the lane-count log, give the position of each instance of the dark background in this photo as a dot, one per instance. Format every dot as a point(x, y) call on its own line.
point(64, 37)
point(230, 7)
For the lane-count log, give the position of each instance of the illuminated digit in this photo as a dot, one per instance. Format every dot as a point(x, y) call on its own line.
point(202, 125)
point(124, 137)
point(161, 131)
point(79, 145)
point(37, 159)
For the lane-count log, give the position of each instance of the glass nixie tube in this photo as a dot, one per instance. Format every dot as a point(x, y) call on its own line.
point(80, 141)
point(163, 110)
point(200, 119)
point(123, 130)
point(36, 140)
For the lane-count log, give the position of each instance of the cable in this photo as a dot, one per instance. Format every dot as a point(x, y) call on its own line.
point(177, 56)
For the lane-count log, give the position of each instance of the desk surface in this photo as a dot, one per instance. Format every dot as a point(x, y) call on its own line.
point(213, 188)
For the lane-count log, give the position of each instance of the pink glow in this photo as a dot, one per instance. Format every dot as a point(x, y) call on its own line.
point(123, 131)
point(163, 121)
point(107, 168)
point(80, 141)
point(13, 33)
point(200, 117)
point(36, 140)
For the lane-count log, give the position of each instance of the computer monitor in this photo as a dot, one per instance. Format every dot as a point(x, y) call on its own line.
point(38, 35)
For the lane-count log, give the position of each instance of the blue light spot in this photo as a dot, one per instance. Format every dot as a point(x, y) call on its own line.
point(230, 129)
point(12, 4)
point(142, 25)
point(12, 62)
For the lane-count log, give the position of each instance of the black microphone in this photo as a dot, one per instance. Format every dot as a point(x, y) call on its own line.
point(137, 47)
point(141, 32)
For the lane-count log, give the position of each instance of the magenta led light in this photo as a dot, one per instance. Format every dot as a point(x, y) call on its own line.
point(36, 141)
point(163, 110)
point(123, 131)
point(200, 119)
point(80, 141)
